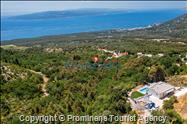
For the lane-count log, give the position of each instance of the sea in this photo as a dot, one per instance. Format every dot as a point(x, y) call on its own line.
point(15, 28)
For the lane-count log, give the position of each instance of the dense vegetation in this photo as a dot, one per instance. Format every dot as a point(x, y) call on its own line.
point(77, 85)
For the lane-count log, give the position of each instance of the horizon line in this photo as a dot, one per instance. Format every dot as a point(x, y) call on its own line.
point(99, 9)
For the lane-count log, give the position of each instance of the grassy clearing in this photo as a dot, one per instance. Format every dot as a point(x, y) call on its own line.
point(136, 94)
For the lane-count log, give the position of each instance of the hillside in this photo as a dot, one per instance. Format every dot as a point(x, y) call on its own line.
point(65, 14)
point(181, 105)
point(176, 28)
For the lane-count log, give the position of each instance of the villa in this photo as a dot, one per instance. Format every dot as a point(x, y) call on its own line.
point(161, 89)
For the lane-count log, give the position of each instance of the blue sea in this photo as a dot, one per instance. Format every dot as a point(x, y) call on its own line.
point(15, 28)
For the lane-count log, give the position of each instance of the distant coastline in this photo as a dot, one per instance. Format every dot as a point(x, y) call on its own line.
point(30, 27)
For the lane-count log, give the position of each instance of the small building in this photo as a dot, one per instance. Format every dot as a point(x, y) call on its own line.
point(95, 58)
point(148, 55)
point(161, 89)
point(139, 54)
point(124, 54)
point(160, 55)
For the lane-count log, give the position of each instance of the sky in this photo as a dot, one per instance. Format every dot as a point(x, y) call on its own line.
point(11, 8)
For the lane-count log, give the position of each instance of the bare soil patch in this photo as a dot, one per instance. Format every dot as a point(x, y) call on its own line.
point(181, 106)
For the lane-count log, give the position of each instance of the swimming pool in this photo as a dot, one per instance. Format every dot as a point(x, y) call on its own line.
point(143, 90)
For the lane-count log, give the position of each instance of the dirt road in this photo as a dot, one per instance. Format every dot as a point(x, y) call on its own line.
point(45, 82)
